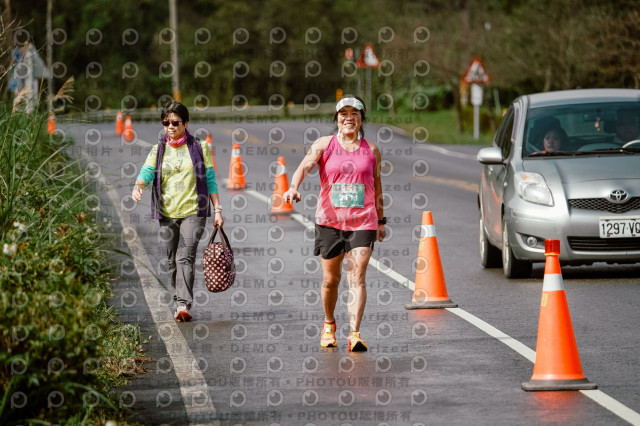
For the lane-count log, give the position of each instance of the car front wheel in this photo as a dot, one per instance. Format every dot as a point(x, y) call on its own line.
point(489, 254)
point(512, 267)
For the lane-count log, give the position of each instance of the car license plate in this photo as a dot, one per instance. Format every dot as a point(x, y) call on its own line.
point(619, 227)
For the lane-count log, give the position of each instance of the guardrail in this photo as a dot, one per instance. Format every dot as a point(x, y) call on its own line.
point(257, 112)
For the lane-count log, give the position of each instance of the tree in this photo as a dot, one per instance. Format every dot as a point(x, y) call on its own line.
point(527, 46)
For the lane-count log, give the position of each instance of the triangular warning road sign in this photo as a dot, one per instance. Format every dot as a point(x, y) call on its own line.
point(368, 58)
point(476, 73)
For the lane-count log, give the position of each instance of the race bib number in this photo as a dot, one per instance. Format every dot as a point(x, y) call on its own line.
point(347, 195)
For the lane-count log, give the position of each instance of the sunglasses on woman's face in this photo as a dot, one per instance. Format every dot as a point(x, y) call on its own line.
point(173, 123)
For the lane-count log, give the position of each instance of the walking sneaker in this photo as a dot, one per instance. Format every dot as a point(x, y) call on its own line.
point(182, 314)
point(355, 343)
point(328, 338)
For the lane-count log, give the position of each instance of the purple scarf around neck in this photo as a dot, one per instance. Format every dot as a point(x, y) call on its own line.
point(195, 151)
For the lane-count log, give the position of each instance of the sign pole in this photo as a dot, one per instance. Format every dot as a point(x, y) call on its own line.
point(49, 56)
point(476, 75)
point(476, 122)
point(476, 101)
point(368, 86)
point(175, 77)
point(368, 59)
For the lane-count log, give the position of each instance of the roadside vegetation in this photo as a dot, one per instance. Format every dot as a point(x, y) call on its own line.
point(63, 347)
point(439, 126)
point(261, 50)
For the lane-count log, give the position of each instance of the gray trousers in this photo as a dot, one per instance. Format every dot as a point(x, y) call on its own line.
point(181, 238)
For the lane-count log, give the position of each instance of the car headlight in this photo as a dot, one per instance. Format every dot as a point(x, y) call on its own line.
point(533, 188)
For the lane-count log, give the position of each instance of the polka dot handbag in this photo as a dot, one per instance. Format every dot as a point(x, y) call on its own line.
point(219, 269)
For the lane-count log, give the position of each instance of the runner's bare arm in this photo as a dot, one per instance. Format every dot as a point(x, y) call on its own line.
point(306, 165)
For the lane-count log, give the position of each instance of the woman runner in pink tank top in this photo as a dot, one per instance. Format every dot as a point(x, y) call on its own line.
point(349, 215)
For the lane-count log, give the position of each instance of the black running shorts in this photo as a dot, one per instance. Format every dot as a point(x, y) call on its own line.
point(330, 242)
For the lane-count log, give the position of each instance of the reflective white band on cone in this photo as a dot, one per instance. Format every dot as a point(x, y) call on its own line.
point(427, 231)
point(552, 282)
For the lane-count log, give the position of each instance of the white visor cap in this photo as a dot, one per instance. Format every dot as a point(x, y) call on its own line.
point(349, 102)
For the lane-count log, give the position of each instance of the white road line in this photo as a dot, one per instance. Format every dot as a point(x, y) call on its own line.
point(193, 385)
point(598, 396)
point(255, 194)
point(619, 409)
point(143, 143)
point(447, 152)
point(187, 361)
point(522, 349)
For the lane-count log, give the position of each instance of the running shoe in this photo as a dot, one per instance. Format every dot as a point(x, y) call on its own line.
point(328, 339)
point(182, 314)
point(355, 343)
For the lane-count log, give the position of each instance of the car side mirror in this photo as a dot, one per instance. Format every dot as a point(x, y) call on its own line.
point(491, 155)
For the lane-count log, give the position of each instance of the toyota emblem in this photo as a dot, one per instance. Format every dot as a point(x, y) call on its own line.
point(618, 196)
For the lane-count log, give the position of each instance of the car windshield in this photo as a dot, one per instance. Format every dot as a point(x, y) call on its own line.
point(583, 129)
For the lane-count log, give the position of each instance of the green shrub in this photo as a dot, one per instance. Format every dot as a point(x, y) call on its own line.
point(62, 347)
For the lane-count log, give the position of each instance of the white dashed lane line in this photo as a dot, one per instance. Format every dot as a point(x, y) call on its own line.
point(598, 396)
point(192, 381)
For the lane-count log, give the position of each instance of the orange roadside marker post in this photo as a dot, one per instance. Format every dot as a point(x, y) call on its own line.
point(430, 287)
point(128, 132)
point(213, 157)
point(557, 365)
point(278, 205)
point(51, 123)
point(236, 169)
point(119, 123)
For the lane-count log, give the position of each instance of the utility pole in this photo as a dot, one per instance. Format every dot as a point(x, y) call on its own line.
point(8, 24)
point(175, 78)
point(49, 55)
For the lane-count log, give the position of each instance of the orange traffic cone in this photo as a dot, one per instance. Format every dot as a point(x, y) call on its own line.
point(128, 133)
point(213, 157)
point(430, 288)
point(119, 123)
point(51, 123)
point(236, 169)
point(557, 364)
point(278, 205)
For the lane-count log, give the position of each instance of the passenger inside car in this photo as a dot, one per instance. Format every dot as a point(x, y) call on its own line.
point(554, 139)
point(548, 137)
point(535, 140)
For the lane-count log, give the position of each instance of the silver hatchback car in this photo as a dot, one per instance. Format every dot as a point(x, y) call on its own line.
point(565, 166)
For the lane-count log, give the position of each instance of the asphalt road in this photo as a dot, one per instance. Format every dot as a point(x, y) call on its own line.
point(251, 355)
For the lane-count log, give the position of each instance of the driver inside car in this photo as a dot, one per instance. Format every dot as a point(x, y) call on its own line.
point(627, 127)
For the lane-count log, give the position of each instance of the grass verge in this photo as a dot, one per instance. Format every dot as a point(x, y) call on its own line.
point(435, 126)
point(63, 348)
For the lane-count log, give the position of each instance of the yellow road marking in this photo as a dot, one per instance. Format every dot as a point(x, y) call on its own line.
point(467, 186)
point(461, 184)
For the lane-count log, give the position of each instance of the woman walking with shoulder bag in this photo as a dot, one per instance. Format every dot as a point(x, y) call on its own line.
point(180, 170)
